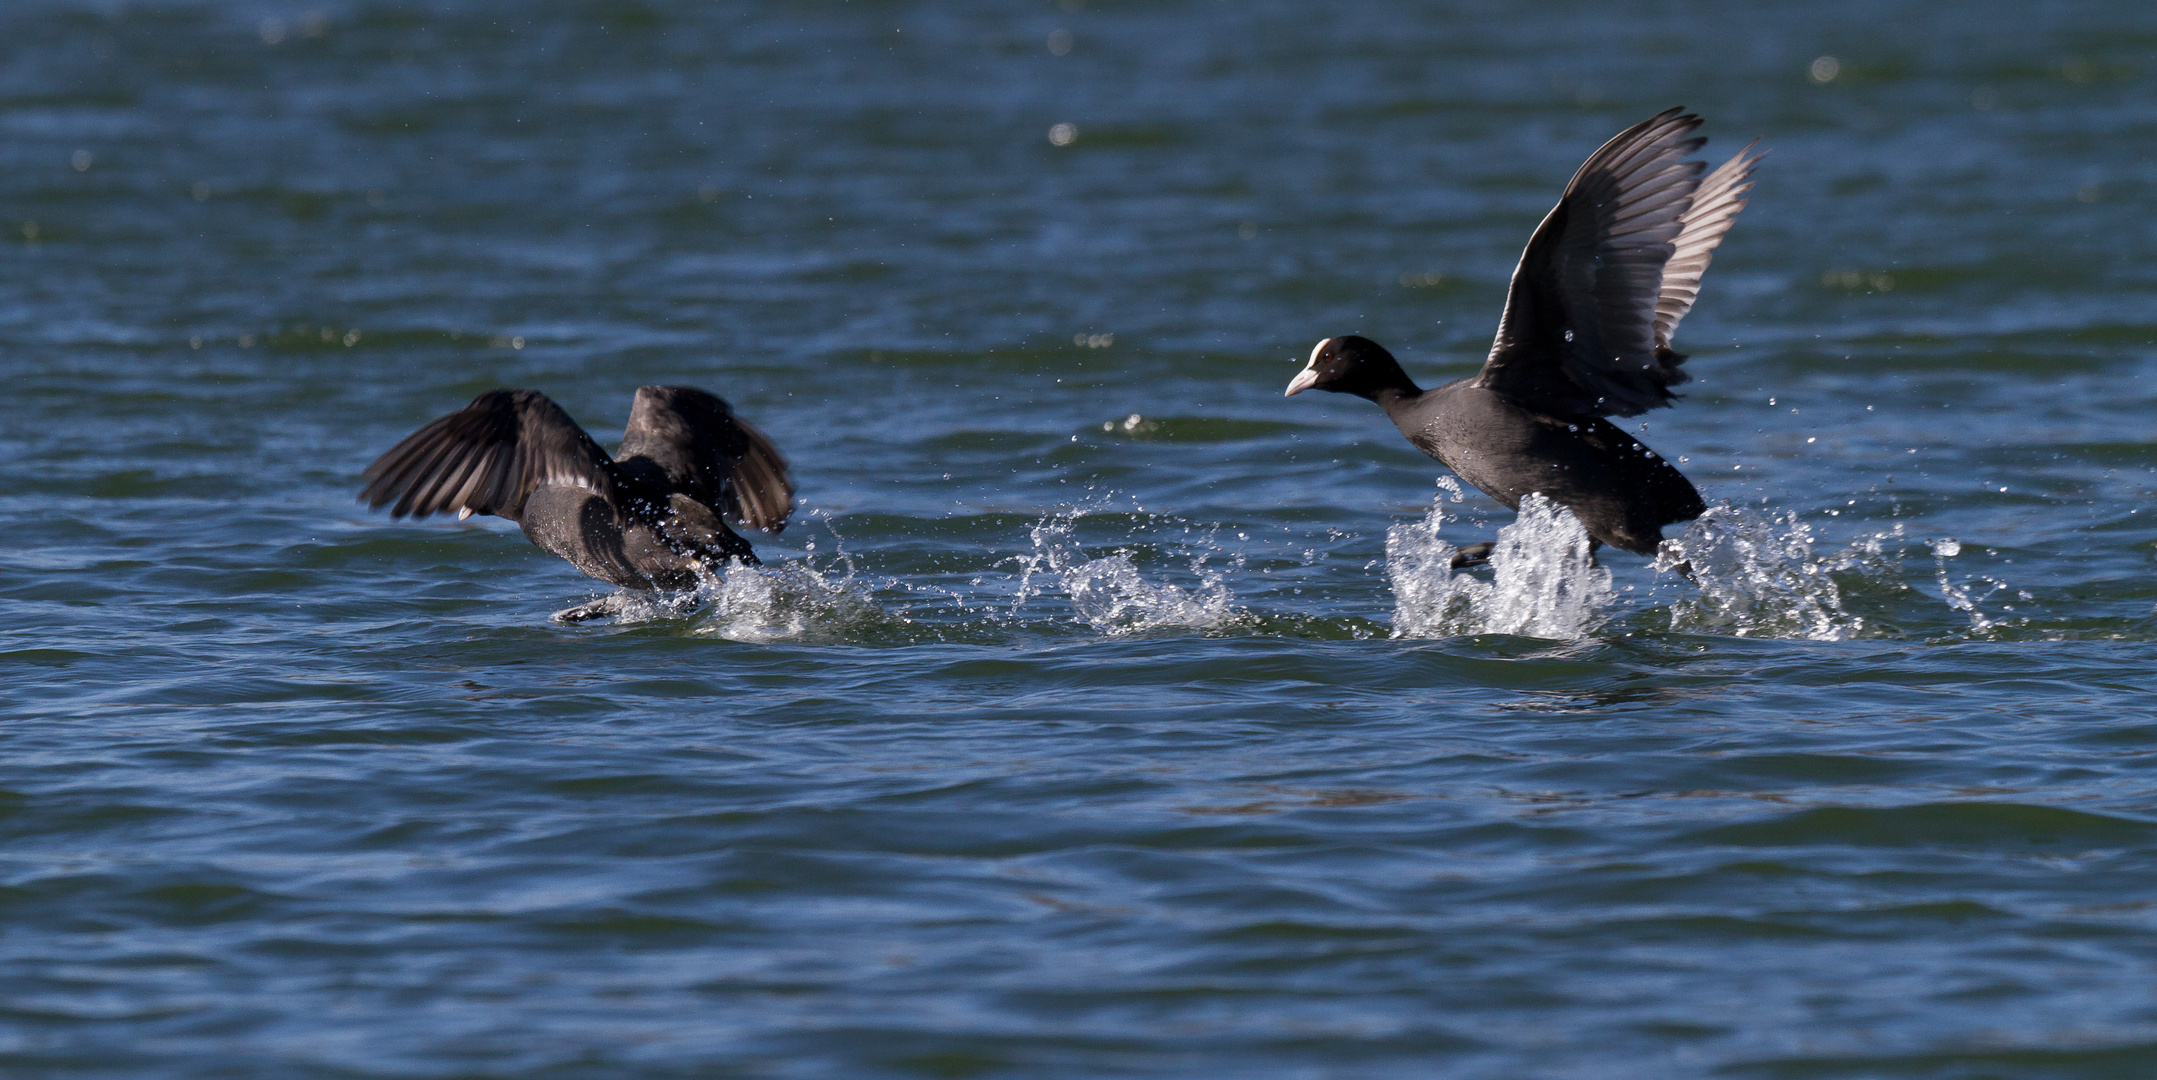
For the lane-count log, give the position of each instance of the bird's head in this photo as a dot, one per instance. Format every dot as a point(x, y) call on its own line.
point(1350, 365)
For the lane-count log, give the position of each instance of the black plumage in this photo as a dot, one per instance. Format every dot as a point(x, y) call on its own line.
point(1586, 334)
point(652, 517)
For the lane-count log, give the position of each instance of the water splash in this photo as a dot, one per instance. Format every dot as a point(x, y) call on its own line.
point(1964, 597)
point(795, 601)
point(1111, 594)
point(1758, 575)
point(627, 607)
point(1544, 582)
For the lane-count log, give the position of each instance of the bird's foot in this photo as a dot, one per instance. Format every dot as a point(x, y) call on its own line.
point(1669, 556)
point(606, 607)
point(1473, 555)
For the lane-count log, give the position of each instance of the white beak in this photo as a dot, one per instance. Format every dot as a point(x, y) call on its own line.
point(1304, 380)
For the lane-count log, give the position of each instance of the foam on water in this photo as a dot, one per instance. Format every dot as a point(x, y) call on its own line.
point(1544, 582)
point(1111, 594)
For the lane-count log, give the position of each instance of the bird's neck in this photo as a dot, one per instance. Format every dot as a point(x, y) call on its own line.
point(1390, 387)
point(1381, 379)
point(1391, 397)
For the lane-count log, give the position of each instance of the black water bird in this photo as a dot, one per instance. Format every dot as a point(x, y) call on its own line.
point(652, 517)
point(1586, 334)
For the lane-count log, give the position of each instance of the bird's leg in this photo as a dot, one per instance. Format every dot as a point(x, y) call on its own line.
point(606, 607)
point(692, 529)
point(725, 544)
point(743, 554)
point(1473, 555)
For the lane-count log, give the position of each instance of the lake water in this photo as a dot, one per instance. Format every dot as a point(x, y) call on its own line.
point(1102, 714)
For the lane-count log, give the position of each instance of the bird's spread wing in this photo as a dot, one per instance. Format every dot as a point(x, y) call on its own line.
point(710, 455)
point(1611, 270)
point(487, 459)
point(1714, 209)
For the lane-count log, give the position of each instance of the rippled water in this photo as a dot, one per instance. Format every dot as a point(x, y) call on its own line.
point(1104, 714)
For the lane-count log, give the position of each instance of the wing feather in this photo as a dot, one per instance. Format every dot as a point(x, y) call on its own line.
point(1611, 270)
point(421, 465)
point(431, 488)
point(704, 451)
point(1714, 209)
point(487, 458)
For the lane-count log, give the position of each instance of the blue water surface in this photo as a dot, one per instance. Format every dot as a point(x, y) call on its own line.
point(1102, 713)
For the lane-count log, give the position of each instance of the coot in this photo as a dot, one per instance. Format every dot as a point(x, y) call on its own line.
point(650, 518)
point(1586, 334)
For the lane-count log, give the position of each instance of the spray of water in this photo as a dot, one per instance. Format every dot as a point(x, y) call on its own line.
point(628, 607)
point(1111, 594)
point(1544, 581)
point(794, 601)
point(1757, 575)
point(1741, 571)
point(1966, 596)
